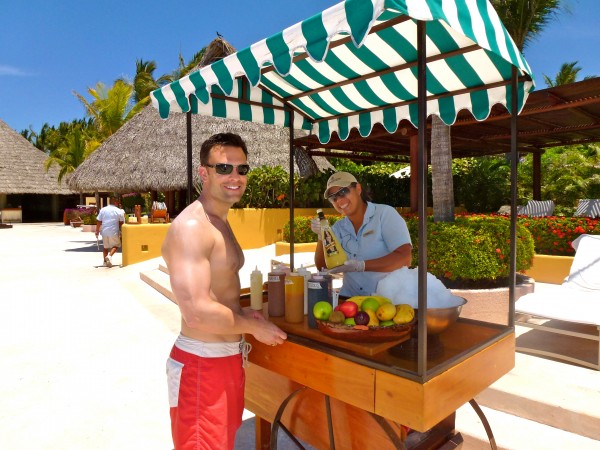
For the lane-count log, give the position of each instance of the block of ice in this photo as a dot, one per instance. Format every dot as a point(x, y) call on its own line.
point(401, 286)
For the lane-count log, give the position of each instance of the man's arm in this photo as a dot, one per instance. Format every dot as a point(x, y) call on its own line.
point(98, 226)
point(188, 259)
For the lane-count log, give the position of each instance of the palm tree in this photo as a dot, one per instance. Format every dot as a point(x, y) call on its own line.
point(144, 81)
point(110, 109)
point(69, 155)
point(524, 20)
point(442, 187)
point(567, 74)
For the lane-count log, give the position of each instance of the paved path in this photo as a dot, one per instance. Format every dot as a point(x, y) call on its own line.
point(83, 348)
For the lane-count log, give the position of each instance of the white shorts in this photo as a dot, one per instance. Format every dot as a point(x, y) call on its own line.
point(111, 241)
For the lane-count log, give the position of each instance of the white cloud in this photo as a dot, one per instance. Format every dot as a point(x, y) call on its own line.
point(12, 71)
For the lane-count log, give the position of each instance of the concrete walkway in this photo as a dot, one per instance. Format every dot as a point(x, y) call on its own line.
point(83, 353)
point(83, 348)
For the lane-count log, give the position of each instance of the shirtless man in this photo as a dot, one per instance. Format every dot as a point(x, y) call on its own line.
point(204, 370)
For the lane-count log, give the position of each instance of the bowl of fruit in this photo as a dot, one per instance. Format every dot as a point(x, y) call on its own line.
point(368, 319)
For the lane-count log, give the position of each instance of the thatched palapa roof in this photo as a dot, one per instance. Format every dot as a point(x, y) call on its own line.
point(150, 154)
point(22, 167)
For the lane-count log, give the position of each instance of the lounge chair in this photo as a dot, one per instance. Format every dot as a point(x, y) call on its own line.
point(588, 207)
point(575, 304)
point(537, 208)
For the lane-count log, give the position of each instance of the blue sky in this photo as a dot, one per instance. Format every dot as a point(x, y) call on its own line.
point(50, 49)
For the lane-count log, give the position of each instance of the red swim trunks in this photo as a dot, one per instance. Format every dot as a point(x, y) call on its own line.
point(206, 395)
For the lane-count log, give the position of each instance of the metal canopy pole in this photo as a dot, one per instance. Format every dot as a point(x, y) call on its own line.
point(292, 189)
point(422, 199)
point(188, 123)
point(512, 276)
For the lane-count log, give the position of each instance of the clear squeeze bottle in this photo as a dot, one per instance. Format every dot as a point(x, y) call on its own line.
point(332, 250)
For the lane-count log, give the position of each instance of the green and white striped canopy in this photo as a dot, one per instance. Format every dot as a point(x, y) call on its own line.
point(355, 65)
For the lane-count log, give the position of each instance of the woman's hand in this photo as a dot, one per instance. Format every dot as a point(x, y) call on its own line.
point(315, 226)
point(351, 265)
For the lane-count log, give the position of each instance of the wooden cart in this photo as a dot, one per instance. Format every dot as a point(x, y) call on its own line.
point(348, 395)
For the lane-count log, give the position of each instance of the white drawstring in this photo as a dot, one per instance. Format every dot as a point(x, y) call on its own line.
point(245, 349)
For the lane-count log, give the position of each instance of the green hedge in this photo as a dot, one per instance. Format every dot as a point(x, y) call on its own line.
point(472, 247)
point(302, 231)
point(268, 187)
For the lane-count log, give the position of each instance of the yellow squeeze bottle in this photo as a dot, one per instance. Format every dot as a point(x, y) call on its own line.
point(332, 250)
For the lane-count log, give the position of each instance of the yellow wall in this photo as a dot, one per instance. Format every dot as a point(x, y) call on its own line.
point(549, 268)
point(142, 242)
point(283, 248)
point(255, 227)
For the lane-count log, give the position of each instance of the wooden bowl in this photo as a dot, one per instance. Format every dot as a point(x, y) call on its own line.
point(373, 334)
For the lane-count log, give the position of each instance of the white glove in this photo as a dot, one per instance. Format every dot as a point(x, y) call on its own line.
point(315, 226)
point(351, 265)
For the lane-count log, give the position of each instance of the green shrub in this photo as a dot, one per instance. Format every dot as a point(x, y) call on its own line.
point(473, 248)
point(302, 231)
point(89, 219)
point(553, 235)
point(268, 187)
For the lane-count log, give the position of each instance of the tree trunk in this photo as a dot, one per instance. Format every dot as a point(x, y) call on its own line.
point(441, 172)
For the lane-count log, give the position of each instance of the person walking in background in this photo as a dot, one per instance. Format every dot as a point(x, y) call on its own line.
point(109, 222)
point(205, 372)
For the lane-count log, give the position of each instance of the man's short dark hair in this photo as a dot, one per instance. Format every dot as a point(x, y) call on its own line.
point(225, 139)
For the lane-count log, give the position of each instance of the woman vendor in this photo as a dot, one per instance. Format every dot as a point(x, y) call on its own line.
point(374, 236)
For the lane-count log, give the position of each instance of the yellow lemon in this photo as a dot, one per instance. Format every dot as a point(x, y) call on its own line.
point(404, 314)
point(387, 311)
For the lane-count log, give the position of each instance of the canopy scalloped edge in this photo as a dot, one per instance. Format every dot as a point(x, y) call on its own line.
point(278, 83)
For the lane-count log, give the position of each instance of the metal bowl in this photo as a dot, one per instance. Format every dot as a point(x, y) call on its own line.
point(439, 319)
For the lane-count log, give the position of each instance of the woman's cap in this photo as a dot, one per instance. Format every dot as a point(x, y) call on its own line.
point(341, 179)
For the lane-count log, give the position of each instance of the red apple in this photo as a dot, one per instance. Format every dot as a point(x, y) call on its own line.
point(348, 308)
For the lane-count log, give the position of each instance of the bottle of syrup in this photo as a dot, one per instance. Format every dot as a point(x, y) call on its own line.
point(332, 250)
point(276, 292)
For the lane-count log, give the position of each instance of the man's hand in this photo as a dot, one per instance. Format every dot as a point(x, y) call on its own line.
point(351, 265)
point(265, 332)
point(315, 226)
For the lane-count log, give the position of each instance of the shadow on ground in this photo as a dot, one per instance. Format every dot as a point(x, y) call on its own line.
point(89, 247)
point(245, 438)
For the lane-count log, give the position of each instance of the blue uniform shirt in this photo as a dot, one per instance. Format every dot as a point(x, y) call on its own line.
point(383, 230)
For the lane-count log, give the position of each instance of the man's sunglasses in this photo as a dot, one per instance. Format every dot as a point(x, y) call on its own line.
point(226, 169)
point(339, 194)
